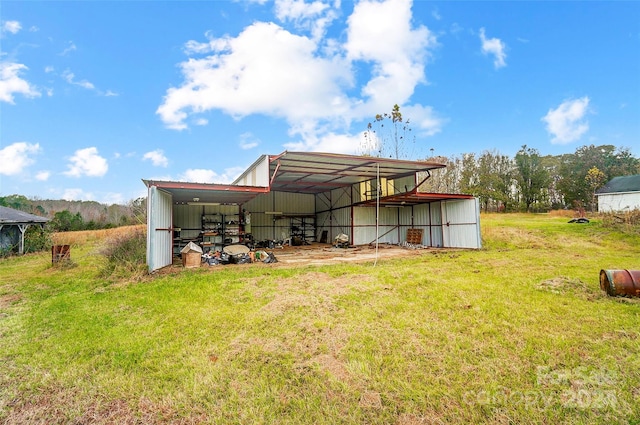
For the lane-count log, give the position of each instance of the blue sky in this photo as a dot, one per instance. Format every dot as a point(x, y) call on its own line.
point(97, 95)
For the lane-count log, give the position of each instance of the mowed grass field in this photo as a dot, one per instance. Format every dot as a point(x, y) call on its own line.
point(518, 332)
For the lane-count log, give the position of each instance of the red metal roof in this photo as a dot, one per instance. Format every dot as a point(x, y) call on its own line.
point(314, 172)
point(309, 172)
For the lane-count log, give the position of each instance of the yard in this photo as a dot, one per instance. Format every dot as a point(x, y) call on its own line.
point(517, 332)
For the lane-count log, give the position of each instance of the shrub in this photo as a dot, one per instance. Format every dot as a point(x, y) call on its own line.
point(37, 239)
point(125, 253)
point(627, 221)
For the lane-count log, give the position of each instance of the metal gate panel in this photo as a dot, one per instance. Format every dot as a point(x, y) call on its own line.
point(461, 223)
point(159, 229)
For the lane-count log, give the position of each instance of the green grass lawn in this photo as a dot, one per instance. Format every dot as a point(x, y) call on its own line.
point(518, 332)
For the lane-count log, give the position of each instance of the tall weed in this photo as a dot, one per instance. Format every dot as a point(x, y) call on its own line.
point(628, 221)
point(125, 254)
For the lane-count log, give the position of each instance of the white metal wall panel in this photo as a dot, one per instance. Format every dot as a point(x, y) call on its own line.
point(364, 225)
point(406, 216)
point(256, 175)
point(323, 223)
point(341, 222)
point(404, 184)
point(159, 229)
point(261, 223)
point(341, 197)
point(273, 226)
point(189, 219)
point(416, 217)
point(461, 223)
point(617, 202)
point(323, 201)
point(295, 203)
point(435, 230)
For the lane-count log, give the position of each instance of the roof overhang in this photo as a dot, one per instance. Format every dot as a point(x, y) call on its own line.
point(10, 216)
point(309, 172)
point(207, 193)
point(412, 198)
point(315, 172)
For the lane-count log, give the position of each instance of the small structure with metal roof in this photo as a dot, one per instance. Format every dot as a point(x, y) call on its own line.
point(311, 196)
point(13, 225)
point(620, 194)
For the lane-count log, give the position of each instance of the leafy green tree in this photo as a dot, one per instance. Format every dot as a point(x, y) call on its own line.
point(532, 177)
point(608, 159)
point(17, 202)
point(595, 180)
point(65, 221)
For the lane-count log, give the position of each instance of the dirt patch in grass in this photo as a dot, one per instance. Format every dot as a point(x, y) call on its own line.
point(7, 300)
point(64, 406)
point(564, 285)
point(516, 238)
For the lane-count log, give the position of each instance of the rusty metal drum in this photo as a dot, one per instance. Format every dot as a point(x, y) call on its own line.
point(620, 282)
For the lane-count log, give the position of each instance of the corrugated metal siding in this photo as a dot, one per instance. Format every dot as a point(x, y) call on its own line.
point(323, 201)
point(341, 197)
point(416, 217)
point(333, 213)
point(618, 202)
point(189, 219)
point(271, 227)
point(461, 227)
point(404, 184)
point(323, 223)
point(364, 225)
point(256, 175)
point(159, 242)
point(435, 230)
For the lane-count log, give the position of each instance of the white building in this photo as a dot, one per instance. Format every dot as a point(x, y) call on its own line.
point(620, 194)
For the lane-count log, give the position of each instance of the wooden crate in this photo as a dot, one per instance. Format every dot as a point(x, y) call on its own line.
point(191, 259)
point(414, 236)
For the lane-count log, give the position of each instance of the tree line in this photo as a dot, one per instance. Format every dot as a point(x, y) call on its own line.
point(80, 215)
point(530, 181)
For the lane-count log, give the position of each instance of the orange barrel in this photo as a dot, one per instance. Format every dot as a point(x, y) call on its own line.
point(620, 282)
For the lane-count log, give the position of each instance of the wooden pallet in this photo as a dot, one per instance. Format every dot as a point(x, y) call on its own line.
point(414, 236)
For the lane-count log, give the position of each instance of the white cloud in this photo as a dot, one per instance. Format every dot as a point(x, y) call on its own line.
point(307, 80)
point(201, 121)
point(196, 175)
point(495, 47)
point(11, 83)
point(69, 77)
point(199, 175)
point(16, 157)
point(314, 16)
point(70, 48)
point(110, 93)
point(265, 70)
point(49, 69)
point(330, 142)
point(113, 198)
point(248, 141)
point(423, 119)
point(157, 158)
point(381, 33)
point(87, 162)
point(77, 195)
point(566, 123)
point(11, 26)
point(43, 175)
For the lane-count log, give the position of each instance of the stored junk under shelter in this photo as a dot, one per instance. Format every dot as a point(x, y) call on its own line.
point(309, 197)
